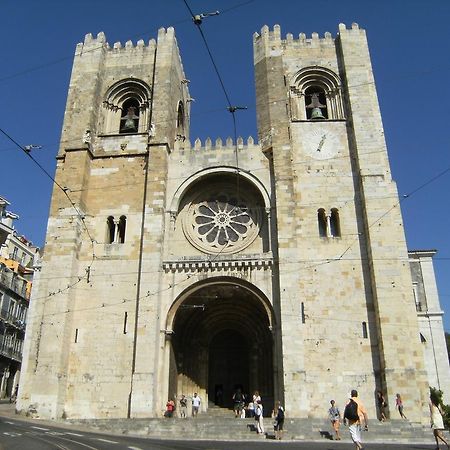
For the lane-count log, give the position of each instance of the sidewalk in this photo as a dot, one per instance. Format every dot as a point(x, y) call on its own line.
point(208, 427)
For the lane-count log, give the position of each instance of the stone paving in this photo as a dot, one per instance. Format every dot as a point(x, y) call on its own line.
point(221, 425)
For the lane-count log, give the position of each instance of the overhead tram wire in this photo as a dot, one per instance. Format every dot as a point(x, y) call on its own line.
point(198, 20)
point(27, 151)
point(66, 58)
point(230, 109)
point(341, 257)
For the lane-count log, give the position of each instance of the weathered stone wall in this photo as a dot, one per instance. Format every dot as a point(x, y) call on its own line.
point(338, 309)
point(362, 276)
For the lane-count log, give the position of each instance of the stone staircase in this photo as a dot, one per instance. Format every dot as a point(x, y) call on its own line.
point(220, 424)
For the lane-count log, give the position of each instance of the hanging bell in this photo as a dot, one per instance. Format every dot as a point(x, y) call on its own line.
point(129, 120)
point(316, 113)
point(316, 106)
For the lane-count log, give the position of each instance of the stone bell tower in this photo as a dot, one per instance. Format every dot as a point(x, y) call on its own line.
point(127, 109)
point(347, 314)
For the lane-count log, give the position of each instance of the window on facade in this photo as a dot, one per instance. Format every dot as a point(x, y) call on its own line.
point(422, 338)
point(180, 119)
point(110, 230)
point(416, 298)
point(329, 225)
point(316, 94)
point(121, 229)
point(322, 222)
point(335, 228)
point(115, 230)
point(364, 330)
point(129, 121)
point(126, 107)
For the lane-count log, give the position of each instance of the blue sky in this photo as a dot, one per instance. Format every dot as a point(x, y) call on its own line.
point(409, 43)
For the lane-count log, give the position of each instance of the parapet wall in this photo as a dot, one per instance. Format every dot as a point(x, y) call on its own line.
point(92, 43)
point(219, 145)
point(270, 42)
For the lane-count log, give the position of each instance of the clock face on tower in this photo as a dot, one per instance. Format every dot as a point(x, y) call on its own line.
point(321, 143)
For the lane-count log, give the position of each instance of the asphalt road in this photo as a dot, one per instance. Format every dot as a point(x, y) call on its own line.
point(19, 435)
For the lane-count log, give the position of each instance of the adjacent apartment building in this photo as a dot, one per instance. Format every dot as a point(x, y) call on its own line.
point(17, 257)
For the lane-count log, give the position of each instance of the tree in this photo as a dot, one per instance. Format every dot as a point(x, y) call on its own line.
point(446, 408)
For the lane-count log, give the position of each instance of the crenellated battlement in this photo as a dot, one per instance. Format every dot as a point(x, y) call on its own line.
point(220, 145)
point(272, 39)
point(91, 43)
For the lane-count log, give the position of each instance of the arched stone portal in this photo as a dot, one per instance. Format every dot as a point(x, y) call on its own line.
point(222, 339)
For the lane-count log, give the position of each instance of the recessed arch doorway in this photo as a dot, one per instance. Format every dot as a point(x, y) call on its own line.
point(222, 340)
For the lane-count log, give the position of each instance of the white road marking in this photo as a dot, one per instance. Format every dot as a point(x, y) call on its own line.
point(77, 442)
point(12, 434)
point(55, 433)
point(10, 423)
point(75, 434)
point(106, 440)
point(135, 448)
point(39, 428)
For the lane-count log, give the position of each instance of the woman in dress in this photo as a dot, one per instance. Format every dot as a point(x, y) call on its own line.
point(437, 423)
point(399, 405)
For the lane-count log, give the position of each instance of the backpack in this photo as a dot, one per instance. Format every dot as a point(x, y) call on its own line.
point(351, 410)
point(280, 415)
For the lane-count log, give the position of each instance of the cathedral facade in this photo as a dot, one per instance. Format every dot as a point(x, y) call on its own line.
point(279, 265)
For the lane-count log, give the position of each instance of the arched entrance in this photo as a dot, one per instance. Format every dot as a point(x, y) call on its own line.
point(221, 341)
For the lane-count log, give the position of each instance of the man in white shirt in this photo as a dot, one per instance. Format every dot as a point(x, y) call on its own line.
point(195, 404)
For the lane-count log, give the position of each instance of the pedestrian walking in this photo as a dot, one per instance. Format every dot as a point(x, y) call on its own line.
point(278, 425)
point(335, 417)
point(356, 415)
point(437, 422)
point(381, 405)
point(183, 407)
point(238, 399)
point(399, 406)
point(196, 402)
point(251, 410)
point(13, 398)
point(259, 417)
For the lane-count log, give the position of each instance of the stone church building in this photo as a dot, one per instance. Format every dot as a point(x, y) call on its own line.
point(279, 266)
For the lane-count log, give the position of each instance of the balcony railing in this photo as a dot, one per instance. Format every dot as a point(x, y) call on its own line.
point(8, 351)
point(17, 285)
point(10, 320)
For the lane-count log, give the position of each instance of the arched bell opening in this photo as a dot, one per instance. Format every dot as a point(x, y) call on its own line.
point(221, 341)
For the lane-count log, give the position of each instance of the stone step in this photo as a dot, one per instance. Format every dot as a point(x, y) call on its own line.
point(210, 426)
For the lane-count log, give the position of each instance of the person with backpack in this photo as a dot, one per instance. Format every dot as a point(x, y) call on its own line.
point(183, 407)
point(259, 417)
point(354, 414)
point(278, 425)
point(238, 399)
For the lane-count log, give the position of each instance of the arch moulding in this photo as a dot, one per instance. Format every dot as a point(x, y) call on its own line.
point(211, 171)
point(231, 281)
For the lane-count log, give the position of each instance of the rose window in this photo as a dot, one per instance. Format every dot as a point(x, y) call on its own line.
point(221, 223)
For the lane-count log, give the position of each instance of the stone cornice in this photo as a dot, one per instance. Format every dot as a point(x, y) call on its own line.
point(214, 262)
